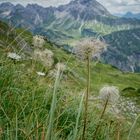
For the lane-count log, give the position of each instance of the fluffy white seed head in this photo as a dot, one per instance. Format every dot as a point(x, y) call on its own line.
point(89, 47)
point(60, 66)
point(38, 41)
point(49, 53)
point(44, 56)
point(110, 93)
point(13, 56)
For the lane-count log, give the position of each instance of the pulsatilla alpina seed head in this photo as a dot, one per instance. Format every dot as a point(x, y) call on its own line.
point(89, 47)
point(110, 93)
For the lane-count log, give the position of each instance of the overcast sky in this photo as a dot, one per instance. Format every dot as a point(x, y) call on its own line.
point(114, 6)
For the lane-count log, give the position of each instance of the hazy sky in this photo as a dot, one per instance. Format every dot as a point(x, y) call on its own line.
point(114, 6)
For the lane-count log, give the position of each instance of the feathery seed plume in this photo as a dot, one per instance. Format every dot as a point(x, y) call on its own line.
point(89, 47)
point(110, 93)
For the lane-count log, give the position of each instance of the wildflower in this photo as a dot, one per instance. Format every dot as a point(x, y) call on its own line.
point(60, 66)
point(41, 73)
point(89, 47)
point(110, 93)
point(49, 53)
point(38, 41)
point(14, 56)
point(45, 56)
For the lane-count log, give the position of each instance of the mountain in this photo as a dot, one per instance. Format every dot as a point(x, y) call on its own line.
point(6, 6)
point(78, 19)
point(118, 14)
point(132, 15)
point(84, 9)
point(128, 15)
point(67, 19)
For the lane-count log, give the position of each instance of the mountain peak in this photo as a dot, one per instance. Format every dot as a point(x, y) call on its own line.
point(36, 6)
point(129, 13)
point(86, 1)
point(132, 15)
point(6, 6)
point(84, 9)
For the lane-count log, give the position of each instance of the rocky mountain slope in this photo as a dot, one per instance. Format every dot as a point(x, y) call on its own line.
point(79, 19)
point(71, 17)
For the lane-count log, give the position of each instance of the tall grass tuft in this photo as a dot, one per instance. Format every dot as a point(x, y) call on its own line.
point(53, 107)
point(78, 118)
point(133, 125)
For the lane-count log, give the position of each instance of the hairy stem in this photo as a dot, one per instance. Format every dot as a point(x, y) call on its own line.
point(101, 117)
point(86, 97)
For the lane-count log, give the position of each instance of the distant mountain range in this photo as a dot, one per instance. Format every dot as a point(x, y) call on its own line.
point(132, 15)
point(129, 15)
point(71, 16)
point(79, 19)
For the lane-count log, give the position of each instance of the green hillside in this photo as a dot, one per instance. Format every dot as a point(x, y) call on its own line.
point(123, 50)
point(26, 98)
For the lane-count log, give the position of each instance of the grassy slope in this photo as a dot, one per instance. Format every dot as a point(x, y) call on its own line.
point(26, 97)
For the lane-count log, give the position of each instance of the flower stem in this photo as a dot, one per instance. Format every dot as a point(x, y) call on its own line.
point(86, 97)
point(101, 117)
point(118, 132)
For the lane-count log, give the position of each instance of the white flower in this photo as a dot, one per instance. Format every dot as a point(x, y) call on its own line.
point(41, 73)
point(89, 47)
point(110, 93)
point(14, 56)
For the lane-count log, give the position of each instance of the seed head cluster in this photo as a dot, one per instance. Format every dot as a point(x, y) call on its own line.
point(110, 93)
point(44, 56)
point(38, 41)
point(89, 47)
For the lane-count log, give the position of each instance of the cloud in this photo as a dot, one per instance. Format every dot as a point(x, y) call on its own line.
point(121, 6)
point(44, 3)
point(114, 6)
